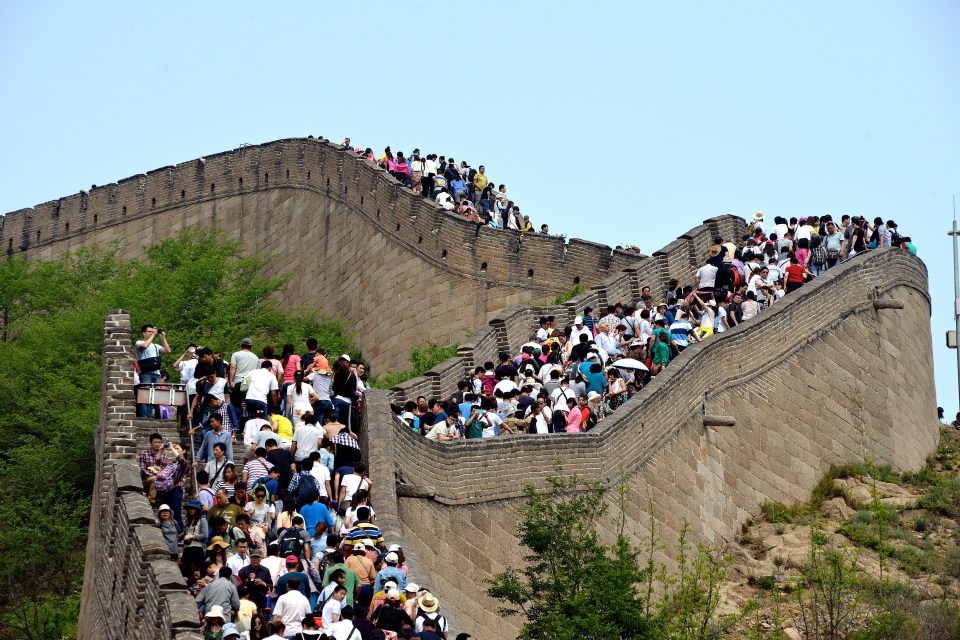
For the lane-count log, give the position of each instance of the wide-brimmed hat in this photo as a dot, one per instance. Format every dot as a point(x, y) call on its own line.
point(217, 541)
point(216, 611)
point(758, 216)
point(428, 603)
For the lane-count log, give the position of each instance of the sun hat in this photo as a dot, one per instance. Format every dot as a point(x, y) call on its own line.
point(217, 541)
point(193, 504)
point(229, 630)
point(216, 611)
point(758, 215)
point(412, 587)
point(428, 603)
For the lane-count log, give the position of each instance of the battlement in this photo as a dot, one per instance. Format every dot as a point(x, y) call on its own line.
point(321, 212)
point(818, 379)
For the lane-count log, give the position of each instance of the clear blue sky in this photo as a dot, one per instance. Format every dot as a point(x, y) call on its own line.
point(623, 123)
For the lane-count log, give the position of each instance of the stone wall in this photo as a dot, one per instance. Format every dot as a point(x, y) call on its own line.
point(818, 379)
point(357, 245)
point(131, 588)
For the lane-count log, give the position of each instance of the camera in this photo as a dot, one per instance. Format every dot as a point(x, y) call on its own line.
point(160, 331)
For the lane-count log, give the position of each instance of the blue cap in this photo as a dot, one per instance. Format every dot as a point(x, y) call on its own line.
point(228, 630)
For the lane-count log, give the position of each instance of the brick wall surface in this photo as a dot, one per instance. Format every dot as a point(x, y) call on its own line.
point(131, 588)
point(358, 245)
point(818, 379)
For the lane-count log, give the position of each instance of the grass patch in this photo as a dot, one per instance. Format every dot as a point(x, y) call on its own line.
point(422, 359)
point(566, 296)
point(942, 498)
point(882, 472)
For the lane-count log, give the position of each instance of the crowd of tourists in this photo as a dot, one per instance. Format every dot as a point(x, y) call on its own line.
point(568, 379)
point(278, 537)
point(454, 186)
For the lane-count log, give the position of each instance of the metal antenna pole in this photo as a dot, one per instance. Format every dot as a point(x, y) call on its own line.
point(956, 290)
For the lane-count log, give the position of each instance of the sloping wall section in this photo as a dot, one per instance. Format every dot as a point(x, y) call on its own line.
point(359, 246)
point(817, 379)
point(821, 378)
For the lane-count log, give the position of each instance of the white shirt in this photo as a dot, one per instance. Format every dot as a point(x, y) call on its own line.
point(321, 384)
point(575, 335)
point(707, 275)
point(803, 231)
point(544, 418)
point(445, 201)
point(322, 474)
point(351, 484)
point(236, 563)
point(429, 168)
point(492, 421)
point(186, 369)
point(262, 382)
point(506, 385)
point(344, 630)
point(329, 610)
point(307, 438)
point(292, 607)
point(721, 315)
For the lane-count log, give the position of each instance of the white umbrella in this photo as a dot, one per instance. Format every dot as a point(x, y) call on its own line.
point(630, 363)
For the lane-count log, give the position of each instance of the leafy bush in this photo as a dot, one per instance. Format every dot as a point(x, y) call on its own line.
point(567, 295)
point(199, 287)
point(943, 498)
point(422, 359)
point(882, 472)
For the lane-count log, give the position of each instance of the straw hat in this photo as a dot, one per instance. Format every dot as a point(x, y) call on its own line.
point(428, 603)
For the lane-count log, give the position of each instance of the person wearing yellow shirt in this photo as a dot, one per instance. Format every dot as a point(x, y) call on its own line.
point(480, 181)
point(282, 426)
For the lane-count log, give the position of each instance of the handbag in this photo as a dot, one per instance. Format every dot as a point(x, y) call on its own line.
point(149, 365)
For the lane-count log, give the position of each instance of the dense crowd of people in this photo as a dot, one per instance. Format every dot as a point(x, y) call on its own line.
point(568, 379)
point(279, 538)
point(454, 186)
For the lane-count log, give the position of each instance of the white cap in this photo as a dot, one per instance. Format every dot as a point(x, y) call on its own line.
point(412, 587)
point(391, 558)
point(165, 507)
point(346, 357)
point(390, 584)
point(578, 320)
point(394, 547)
point(393, 594)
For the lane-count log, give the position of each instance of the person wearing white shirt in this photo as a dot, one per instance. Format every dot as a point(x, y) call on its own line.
point(240, 559)
point(331, 610)
point(606, 344)
point(293, 606)
point(804, 231)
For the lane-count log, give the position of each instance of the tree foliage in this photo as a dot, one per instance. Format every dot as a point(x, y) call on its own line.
point(198, 286)
point(573, 586)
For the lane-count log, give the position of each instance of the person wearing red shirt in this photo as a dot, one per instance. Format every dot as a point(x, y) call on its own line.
point(795, 275)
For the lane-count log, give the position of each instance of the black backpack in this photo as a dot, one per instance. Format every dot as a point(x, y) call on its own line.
point(290, 542)
point(308, 490)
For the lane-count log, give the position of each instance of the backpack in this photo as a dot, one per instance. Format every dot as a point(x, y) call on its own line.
point(895, 239)
point(818, 256)
point(734, 277)
point(324, 562)
point(290, 542)
point(307, 490)
point(167, 478)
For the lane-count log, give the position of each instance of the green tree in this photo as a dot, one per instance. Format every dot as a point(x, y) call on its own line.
point(573, 586)
point(200, 288)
